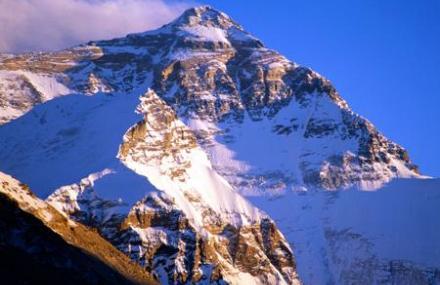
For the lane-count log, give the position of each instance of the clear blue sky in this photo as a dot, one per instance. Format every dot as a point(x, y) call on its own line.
point(382, 56)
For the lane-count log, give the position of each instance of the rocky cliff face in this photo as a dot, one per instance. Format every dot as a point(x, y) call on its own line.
point(218, 117)
point(167, 242)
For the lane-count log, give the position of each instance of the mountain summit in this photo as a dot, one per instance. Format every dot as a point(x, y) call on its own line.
point(205, 16)
point(158, 139)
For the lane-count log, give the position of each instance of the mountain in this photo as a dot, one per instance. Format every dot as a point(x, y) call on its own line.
point(229, 89)
point(40, 245)
point(164, 142)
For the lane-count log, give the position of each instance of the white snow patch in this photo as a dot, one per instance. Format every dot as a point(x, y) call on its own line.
point(203, 33)
point(46, 84)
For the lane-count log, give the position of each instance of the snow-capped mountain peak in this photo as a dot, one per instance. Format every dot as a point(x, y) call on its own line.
point(157, 139)
point(205, 16)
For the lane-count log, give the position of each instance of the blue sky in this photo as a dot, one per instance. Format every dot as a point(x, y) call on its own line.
point(382, 56)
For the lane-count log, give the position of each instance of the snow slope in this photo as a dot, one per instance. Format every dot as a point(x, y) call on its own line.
point(360, 237)
point(76, 135)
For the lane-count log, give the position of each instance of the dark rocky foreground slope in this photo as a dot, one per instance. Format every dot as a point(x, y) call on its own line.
point(38, 245)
